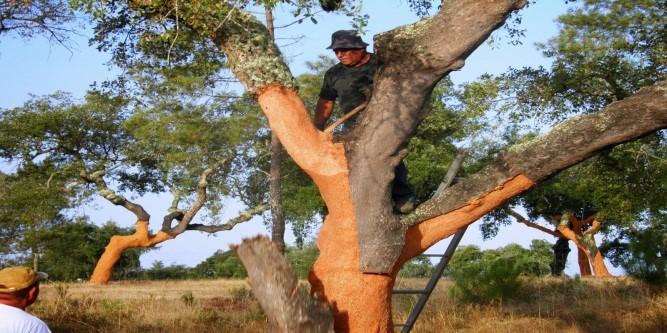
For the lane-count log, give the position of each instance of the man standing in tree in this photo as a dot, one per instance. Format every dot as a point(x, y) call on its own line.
point(19, 288)
point(351, 82)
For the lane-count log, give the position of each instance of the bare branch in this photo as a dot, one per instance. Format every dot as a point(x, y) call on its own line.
point(198, 204)
point(525, 221)
point(242, 217)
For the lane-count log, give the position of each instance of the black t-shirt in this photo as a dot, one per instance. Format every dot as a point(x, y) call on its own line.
point(351, 86)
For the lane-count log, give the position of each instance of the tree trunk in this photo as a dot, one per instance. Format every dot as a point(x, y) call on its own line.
point(584, 263)
point(275, 180)
point(119, 244)
point(599, 267)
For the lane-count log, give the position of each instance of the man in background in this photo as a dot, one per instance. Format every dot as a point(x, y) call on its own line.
point(19, 288)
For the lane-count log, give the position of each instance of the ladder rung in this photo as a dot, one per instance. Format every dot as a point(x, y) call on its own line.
point(399, 325)
point(409, 291)
point(431, 255)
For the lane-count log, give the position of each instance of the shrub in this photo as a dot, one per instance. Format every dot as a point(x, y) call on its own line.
point(487, 279)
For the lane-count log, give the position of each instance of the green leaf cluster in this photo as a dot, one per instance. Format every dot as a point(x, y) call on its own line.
point(492, 275)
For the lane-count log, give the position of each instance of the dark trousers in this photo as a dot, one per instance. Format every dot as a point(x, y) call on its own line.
point(400, 189)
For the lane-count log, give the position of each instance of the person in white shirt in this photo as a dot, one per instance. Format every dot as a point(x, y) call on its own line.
point(19, 288)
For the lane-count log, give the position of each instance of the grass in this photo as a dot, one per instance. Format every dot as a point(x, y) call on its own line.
point(543, 305)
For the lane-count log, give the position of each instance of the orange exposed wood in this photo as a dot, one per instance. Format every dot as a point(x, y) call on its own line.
point(590, 260)
point(422, 236)
point(599, 267)
point(361, 302)
point(584, 262)
point(119, 244)
point(311, 149)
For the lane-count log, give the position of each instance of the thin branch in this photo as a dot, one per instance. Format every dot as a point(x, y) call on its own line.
point(175, 37)
point(346, 117)
point(525, 221)
point(242, 217)
point(198, 204)
point(452, 171)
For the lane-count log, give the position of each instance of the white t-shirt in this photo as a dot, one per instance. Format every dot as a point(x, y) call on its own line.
point(15, 320)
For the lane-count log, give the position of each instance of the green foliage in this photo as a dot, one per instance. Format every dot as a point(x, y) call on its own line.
point(485, 276)
point(486, 280)
point(418, 267)
point(642, 252)
point(158, 271)
point(46, 18)
point(302, 259)
point(220, 265)
point(605, 51)
point(30, 200)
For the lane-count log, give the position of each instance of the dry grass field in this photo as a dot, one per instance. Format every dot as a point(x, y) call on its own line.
point(543, 305)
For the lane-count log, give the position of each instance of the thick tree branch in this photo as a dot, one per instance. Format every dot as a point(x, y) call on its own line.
point(277, 288)
point(542, 157)
point(97, 178)
point(196, 206)
point(596, 225)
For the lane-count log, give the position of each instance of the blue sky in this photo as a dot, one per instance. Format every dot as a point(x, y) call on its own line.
point(37, 67)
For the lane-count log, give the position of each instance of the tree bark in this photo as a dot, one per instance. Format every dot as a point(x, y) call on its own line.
point(361, 234)
point(275, 179)
point(287, 303)
point(119, 244)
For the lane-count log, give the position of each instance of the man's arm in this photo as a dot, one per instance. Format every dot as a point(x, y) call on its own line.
point(323, 111)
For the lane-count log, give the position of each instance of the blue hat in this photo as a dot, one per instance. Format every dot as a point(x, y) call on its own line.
point(346, 39)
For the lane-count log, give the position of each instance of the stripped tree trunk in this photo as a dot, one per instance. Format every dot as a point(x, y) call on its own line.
point(584, 238)
point(119, 244)
point(362, 242)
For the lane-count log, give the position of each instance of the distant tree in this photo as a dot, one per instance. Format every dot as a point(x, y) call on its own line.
point(93, 143)
point(605, 51)
point(483, 276)
point(418, 267)
point(71, 250)
point(220, 265)
point(641, 252)
point(533, 261)
point(158, 271)
point(31, 201)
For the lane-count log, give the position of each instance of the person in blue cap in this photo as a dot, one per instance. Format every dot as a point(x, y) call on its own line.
point(350, 82)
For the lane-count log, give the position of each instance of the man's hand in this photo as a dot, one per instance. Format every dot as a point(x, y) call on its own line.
point(323, 111)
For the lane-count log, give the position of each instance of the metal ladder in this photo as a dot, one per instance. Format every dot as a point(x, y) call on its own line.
point(425, 293)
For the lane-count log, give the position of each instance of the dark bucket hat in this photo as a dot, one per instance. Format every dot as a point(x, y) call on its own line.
point(346, 39)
